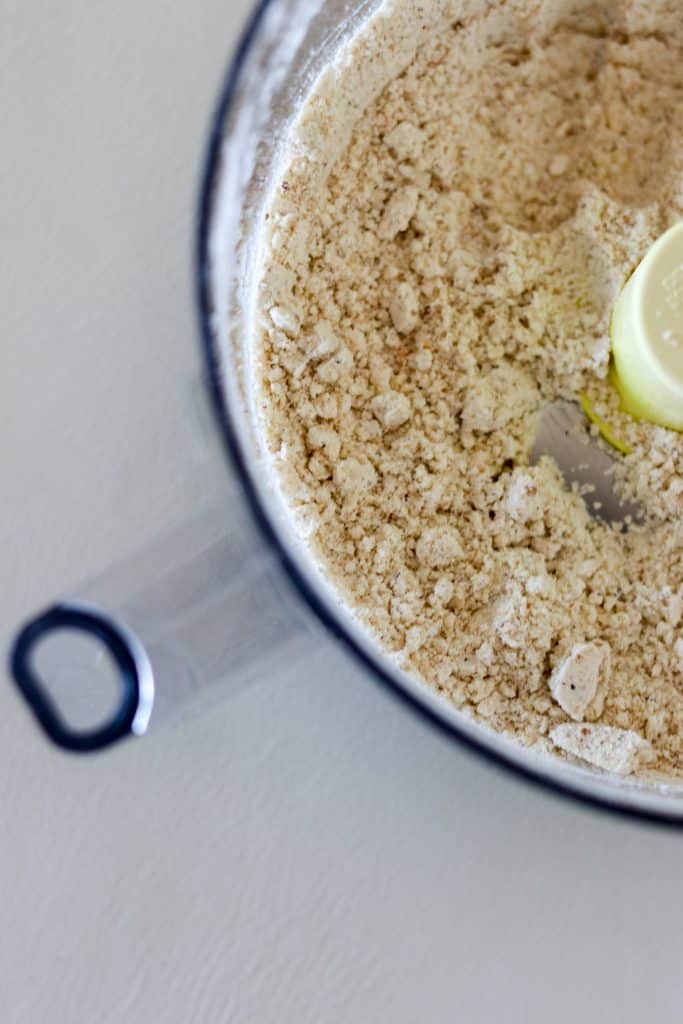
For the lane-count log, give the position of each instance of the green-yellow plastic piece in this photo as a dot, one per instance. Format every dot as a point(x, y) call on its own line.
point(603, 426)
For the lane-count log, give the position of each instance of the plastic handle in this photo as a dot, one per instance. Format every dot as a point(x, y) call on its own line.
point(130, 717)
point(209, 603)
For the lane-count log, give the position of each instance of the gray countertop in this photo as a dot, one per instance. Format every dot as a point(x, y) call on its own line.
point(304, 851)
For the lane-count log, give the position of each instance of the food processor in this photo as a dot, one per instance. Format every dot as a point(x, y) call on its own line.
point(231, 593)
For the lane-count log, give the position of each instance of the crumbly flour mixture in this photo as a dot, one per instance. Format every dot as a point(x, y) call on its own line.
point(431, 281)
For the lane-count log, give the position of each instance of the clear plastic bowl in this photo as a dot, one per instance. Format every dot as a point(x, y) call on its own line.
point(219, 600)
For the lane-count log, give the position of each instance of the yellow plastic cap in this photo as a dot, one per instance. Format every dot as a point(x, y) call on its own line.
point(647, 335)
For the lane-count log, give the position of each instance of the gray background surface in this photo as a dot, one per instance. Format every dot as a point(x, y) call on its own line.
point(306, 851)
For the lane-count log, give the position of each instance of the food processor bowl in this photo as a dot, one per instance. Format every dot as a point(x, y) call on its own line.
point(224, 597)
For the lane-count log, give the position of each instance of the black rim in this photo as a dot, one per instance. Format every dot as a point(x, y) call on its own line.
point(42, 705)
point(237, 462)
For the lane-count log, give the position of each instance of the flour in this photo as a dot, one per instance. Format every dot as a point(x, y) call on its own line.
point(467, 191)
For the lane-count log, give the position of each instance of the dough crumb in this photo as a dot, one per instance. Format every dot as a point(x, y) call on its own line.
point(559, 165)
point(337, 367)
point(398, 213)
point(406, 141)
point(354, 478)
point(285, 320)
point(574, 683)
point(439, 547)
point(497, 398)
point(405, 308)
point(391, 409)
point(614, 750)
